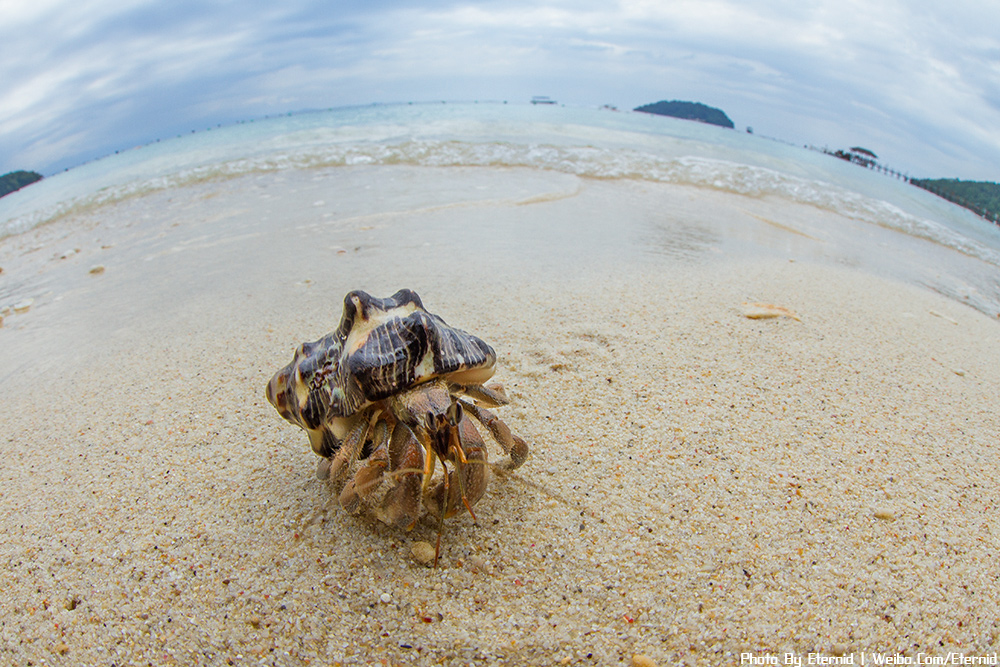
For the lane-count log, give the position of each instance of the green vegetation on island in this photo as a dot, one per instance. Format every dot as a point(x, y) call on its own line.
point(688, 111)
point(16, 180)
point(980, 197)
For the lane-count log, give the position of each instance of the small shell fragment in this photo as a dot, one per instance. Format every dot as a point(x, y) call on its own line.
point(423, 552)
point(479, 564)
point(943, 317)
point(885, 514)
point(97, 269)
point(23, 306)
point(640, 660)
point(764, 311)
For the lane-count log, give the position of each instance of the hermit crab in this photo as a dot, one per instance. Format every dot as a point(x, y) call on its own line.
point(385, 396)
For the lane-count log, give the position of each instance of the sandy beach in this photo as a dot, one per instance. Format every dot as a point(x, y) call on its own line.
point(701, 484)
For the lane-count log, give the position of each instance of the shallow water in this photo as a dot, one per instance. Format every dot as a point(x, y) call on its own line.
point(863, 218)
point(170, 256)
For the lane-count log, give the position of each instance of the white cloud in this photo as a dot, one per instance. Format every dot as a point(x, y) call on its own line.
point(802, 70)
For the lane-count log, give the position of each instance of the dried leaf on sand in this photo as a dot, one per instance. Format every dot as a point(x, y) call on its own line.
point(764, 311)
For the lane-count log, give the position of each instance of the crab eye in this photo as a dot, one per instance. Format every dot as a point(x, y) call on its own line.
point(455, 413)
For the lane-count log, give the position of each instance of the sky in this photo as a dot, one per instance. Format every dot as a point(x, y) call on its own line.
point(917, 81)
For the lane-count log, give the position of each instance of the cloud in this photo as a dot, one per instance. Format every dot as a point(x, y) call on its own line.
point(87, 77)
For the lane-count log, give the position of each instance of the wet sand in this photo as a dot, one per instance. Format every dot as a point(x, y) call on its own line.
point(701, 484)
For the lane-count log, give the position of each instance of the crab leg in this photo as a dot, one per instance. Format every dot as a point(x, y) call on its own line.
point(351, 446)
point(455, 446)
point(364, 482)
point(488, 397)
point(370, 476)
point(473, 479)
point(468, 452)
point(401, 505)
point(511, 444)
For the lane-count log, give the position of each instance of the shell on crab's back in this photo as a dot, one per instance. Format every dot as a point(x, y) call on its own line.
point(382, 347)
point(408, 350)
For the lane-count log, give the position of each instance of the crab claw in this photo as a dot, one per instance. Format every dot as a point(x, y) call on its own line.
point(401, 505)
point(466, 482)
point(364, 483)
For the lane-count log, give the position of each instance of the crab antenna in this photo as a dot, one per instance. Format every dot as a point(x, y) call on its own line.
point(428, 468)
point(444, 508)
point(455, 416)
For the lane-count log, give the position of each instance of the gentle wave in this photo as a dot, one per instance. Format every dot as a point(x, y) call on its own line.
point(584, 161)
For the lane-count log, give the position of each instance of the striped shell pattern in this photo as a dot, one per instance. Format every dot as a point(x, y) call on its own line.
point(382, 347)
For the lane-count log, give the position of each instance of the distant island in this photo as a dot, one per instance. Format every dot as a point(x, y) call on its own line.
point(980, 197)
point(16, 180)
point(689, 111)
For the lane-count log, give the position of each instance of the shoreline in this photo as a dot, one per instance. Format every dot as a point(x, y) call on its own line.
point(701, 484)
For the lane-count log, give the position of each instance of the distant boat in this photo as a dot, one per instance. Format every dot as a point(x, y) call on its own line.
point(542, 99)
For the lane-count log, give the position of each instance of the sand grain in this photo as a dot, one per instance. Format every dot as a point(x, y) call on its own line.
point(701, 484)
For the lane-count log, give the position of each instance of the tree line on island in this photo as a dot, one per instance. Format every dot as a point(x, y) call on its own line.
point(688, 111)
point(980, 197)
point(16, 180)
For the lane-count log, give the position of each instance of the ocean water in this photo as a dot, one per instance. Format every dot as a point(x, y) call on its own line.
point(589, 143)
